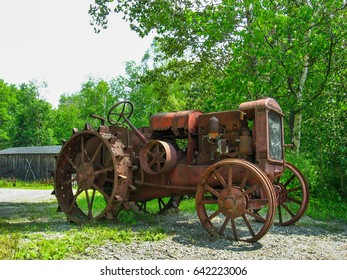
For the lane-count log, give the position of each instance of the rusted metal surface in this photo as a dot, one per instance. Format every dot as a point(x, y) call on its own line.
point(158, 157)
point(235, 189)
point(232, 162)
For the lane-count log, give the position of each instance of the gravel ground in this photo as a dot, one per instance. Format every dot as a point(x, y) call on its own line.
point(186, 239)
point(308, 240)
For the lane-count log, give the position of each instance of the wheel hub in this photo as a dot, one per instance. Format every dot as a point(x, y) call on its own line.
point(85, 176)
point(231, 203)
point(281, 194)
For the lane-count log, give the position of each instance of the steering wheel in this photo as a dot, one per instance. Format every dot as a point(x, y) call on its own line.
point(120, 110)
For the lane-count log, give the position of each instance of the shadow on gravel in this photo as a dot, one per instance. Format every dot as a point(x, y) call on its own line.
point(187, 230)
point(309, 227)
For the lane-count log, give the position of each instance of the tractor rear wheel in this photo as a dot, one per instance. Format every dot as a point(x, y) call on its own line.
point(91, 177)
point(231, 195)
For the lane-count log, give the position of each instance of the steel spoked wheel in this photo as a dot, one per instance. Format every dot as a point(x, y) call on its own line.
point(236, 199)
point(292, 195)
point(88, 178)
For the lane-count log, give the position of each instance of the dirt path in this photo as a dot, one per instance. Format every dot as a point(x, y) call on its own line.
point(24, 195)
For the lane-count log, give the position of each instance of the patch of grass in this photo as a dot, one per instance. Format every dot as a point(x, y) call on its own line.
point(188, 205)
point(34, 185)
point(155, 234)
point(36, 231)
point(8, 245)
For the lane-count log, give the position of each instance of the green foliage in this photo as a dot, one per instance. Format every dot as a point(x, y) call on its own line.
point(213, 55)
point(8, 245)
point(155, 234)
point(33, 185)
point(32, 119)
point(326, 202)
point(8, 99)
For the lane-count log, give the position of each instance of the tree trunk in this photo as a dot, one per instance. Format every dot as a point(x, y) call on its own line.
point(296, 135)
point(297, 122)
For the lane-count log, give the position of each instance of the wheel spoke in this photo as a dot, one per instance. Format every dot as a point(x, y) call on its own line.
point(233, 227)
point(101, 191)
point(82, 149)
point(161, 204)
point(68, 181)
point(209, 201)
point(244, 180)
point(294, 190)
point(294, 200)
point(247, 192)
point(157, 149)
point(152, 162)
point(219, 178)
point(142, 206)
point(96, 153)
point(280, 214)
point(222, 229)
point(151, 154)
point(288, 210)
point(230, 179)
point(254, 215)
point(103, 170)
point(78, 192)
point(115, 114)
point(89, 215)
point(158, 165)
point(215, 214)
point(248, 225)
point(71, 162)
point(212, 190)
point(256, 202)
point(289, 180)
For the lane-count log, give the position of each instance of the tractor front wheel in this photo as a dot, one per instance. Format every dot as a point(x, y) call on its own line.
point(292, 195)
point(236, 199)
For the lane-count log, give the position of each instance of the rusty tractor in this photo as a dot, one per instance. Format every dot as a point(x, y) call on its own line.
point(232, 162)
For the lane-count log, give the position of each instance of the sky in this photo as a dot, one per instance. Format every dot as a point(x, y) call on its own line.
point(52, 42)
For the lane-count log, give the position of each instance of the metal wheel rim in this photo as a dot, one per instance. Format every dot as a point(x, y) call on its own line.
point(68, 165)
point(300, 186)
point(233, 218)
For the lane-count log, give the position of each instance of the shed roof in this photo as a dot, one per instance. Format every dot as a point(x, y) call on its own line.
point(32, 150)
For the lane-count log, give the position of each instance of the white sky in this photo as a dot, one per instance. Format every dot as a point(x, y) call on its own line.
point(51, 41)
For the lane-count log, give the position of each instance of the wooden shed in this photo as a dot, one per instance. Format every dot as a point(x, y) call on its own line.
point(28, 163)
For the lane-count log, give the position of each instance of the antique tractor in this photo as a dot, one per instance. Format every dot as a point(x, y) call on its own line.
point(232, 162)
